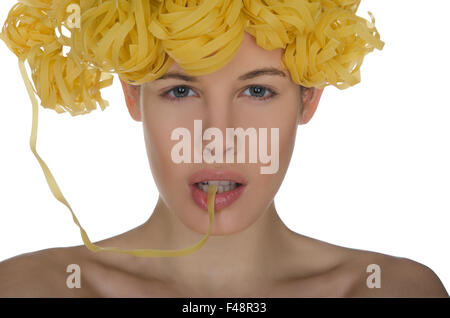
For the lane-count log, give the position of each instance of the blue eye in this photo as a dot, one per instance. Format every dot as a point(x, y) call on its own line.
point(179, 92)
point(259, 92)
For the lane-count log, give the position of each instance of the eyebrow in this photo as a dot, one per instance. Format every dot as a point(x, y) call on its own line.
point(252, 74)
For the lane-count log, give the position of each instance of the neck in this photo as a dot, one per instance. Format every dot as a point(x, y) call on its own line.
point(223, 261)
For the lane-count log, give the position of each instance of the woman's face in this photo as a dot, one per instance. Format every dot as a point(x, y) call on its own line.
point(222, 100)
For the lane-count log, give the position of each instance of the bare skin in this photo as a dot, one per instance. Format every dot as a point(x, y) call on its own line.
point(251, 252)
point(312, 269)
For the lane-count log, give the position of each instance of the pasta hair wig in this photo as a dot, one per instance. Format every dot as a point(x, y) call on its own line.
point(324, 41)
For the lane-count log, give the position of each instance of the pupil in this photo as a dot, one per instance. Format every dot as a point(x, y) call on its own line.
point(180, 91)
point(259, 91)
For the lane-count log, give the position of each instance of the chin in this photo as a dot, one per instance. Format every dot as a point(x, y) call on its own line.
point(227, 221)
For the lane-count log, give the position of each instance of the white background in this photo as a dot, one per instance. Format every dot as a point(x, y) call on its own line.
point(369, 171)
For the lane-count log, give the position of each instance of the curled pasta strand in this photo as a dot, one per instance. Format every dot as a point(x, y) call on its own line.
point(61, 81)
point(334, 52)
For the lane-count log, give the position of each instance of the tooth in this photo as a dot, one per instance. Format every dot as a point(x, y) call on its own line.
point(222, 185)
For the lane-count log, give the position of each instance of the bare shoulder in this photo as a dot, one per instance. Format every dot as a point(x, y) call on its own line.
point(382, 275)
point(42, 273)
point(337, 271)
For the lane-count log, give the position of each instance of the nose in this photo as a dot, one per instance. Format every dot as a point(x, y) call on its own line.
point(219, 114)
point(212, 151)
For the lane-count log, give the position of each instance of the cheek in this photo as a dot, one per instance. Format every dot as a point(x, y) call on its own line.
point(288, 123)
point(284, 117)
point(157, 131)
point(288, 133)
point(157, 134)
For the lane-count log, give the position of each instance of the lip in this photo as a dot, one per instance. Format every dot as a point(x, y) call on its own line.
point(222, 200)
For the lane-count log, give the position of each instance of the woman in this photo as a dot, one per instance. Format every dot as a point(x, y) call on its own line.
point(251, 252)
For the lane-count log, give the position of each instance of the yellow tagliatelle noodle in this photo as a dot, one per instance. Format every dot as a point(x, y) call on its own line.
point(324, 43)
point(60, 197)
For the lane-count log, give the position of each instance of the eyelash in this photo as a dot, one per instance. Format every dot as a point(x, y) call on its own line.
point(179, 99)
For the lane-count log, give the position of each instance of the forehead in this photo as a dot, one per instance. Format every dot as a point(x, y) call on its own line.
point(249, 56)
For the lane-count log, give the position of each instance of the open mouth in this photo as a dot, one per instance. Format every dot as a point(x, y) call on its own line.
point(230, 186)
point(222, 185)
